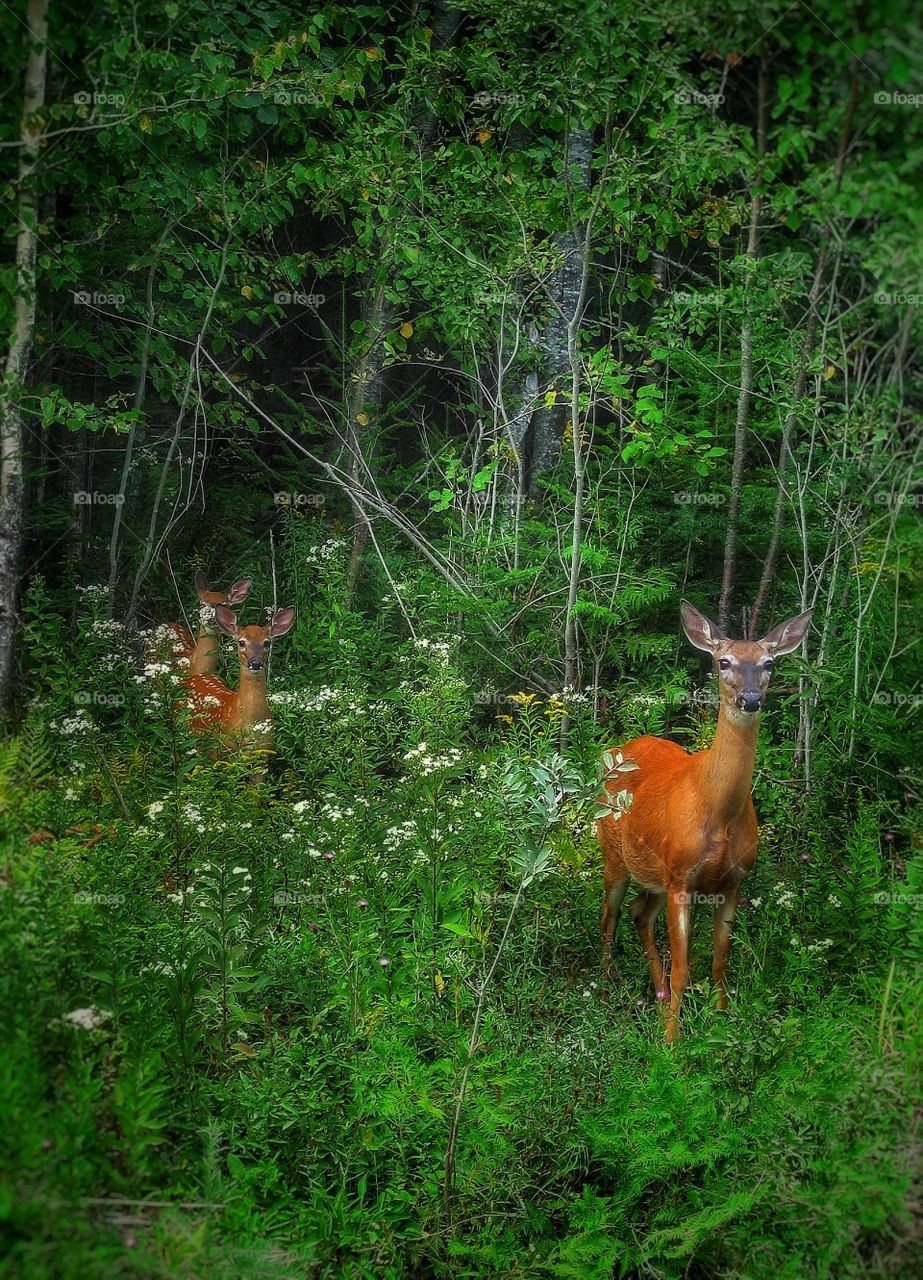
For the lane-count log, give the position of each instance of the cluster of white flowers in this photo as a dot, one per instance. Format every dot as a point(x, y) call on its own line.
point(111, 661)
point(163, 638)
point(784, 897)
point(195, 817)
point(77, 725)
point(324, 553)
point(813, 948)
point(397, 836)
point(242, 871)
point(153, 669)
point(644, 700)
point(159, 966)
point(107, 630)
point(88, 1019)
point(833, 900)
point(190, 813)
point(573, 698)
point(207, 619)
point(333, 812)
point(284, 697)
point(95, 592)
point(419, 758)
point(333, 703)
point(438, 649)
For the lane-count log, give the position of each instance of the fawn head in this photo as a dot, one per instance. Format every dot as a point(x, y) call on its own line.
point(236, 593)
point(253, 642)
point(743, 666)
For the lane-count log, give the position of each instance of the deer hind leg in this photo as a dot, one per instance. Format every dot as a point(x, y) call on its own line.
point(644, 912)
point(615, 877)
point(616, 887)
point(722, 929)
point(678, 915)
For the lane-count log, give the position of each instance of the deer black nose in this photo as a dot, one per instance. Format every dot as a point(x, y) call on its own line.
point(255, 664)
point(750, 700)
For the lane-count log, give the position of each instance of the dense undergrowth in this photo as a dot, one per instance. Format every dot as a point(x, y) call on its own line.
point(238, 1009)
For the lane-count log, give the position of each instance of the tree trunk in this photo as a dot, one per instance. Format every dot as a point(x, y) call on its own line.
point(546, 428)
point(136, 436)
point(20, 349)
point(582, 240)
point(363, 406)
point(746, 362)
point(807, 351)
point(362, 412)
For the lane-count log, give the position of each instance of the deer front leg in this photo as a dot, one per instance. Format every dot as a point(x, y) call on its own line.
point(722, 929)
point(678, 927)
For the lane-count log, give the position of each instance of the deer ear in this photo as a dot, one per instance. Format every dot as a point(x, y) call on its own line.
point(700, 631)
point(239, 590)
point(281, 622)
point(226, 620)
point(787, 636)
point(200, 583)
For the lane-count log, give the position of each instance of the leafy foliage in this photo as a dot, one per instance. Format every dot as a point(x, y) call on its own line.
point(302, 290)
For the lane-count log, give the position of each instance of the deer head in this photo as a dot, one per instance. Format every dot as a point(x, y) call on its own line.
point(743, 667)
point(236, 593)
point(253, 642)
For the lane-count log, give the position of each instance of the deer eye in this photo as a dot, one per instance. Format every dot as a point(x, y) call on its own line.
point(769, 666)
point(242, 643)
point(724, 664)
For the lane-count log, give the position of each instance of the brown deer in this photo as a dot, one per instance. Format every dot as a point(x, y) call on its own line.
point(200, 656)
point(241, 717)
point(690, 833)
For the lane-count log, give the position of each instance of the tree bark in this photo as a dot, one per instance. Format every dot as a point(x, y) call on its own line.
point(364, 405)
point(807, 351)
point(136, 436)
point(20, 348)
point(362, 412)
point(746, 361)
point(582, 254)
point(545, 430)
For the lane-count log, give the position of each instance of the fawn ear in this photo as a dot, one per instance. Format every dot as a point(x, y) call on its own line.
point(226, 620)
point(239, 590)
point(281, 622)
point(787, 636)
point(700, 631)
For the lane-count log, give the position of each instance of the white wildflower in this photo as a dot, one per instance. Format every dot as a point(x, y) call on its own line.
point(89, 1019)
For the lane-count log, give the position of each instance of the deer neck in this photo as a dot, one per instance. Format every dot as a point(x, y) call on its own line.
point(729, 769)
point(252, 705)
point(204, 657)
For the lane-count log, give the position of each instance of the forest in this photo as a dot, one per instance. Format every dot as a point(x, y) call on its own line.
point(405, 407)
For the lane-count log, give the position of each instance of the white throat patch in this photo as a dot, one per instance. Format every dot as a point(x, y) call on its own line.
point(741, 718)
